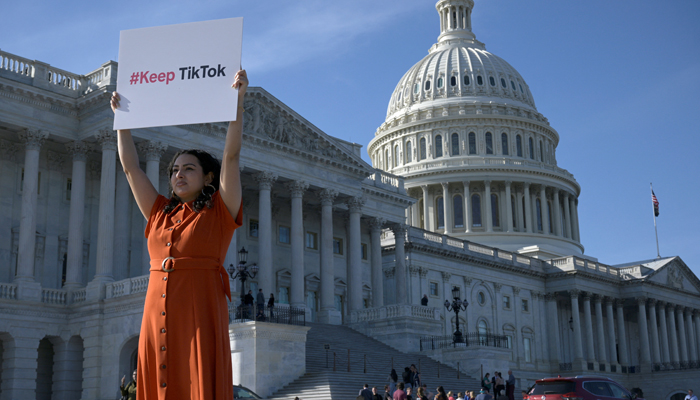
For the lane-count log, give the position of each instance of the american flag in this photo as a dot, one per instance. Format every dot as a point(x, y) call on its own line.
point(656, 203)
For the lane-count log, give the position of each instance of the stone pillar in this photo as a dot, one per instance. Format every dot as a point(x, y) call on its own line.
point(122, 227)
point(696, 319)
point(681, 334)
point(29, 288)
point(265, 232)
point(567, 216)
point(645, 354)
point(354, 264)
point(554, 330)
point(528, 209)
point(415, 215)
point(665, 350)
point(624, 358)
point(655, 350)
point(590, 348)
point(400, 263)
point(578, 344)
point(74, 258)
point(467, 207)
point(557, 213)
point(328, 313)
point(693, 350)
point(19, 365)
point(152, 152)
point(675, 358)
point(602, 357)
point(446, 205)
point(297, 188)
point(509, 208)
point(544, 208)
point(426, 216)
point(376, 250)
point(574, 215)
point(487, 208)
point(611, 330)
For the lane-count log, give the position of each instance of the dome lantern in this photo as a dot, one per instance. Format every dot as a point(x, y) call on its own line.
point(455, 20)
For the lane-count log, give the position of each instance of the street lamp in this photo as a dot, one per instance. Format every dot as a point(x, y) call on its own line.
point(456, 306)
point(242, 271)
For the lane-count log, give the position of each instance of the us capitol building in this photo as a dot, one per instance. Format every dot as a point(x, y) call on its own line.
point(464, 191)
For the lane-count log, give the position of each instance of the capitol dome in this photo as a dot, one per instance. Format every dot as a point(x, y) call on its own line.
point(463, 130)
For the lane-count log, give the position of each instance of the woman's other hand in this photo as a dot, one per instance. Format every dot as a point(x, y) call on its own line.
point(240, 82)
point(114, 102)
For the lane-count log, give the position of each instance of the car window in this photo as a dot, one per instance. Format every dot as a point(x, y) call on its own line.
point(599, 388)
point(242, 393)
point(618, 392)
point(554, 387)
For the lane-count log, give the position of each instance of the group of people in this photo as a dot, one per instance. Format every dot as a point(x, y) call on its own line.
point(496, 384)
point(402, 392)
point(246, 309)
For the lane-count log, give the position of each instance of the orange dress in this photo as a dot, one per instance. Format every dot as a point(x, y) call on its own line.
point(184, 349)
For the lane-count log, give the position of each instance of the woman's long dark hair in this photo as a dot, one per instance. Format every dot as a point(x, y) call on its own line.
point(209, 164)
point(394, 376)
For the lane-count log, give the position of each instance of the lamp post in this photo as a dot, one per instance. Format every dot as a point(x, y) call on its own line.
point(456, 306)
point(243, 271)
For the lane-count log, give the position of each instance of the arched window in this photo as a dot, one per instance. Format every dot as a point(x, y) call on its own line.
point(472, 143)
point(512, 85)
point(479, 80)
point(549, 215)
point(409, 152)
point(504, 144)
point(492, 81)
point(438, 146)
point(524, 214)
point(495, 211)
point(440, 82)
point(519, 145)
point(512, 211)
point(440, 210)
point(541, 153)
point(386, 160)
point(467, 81)
point(455, 144)
point(427, 85)
point(422, 149)
point(532, 148)
point(416, 88)
point(398, 99)
point(458, 207)
point(503, 82)
point(489, 143)
point(453, 81)
point(538, 205)
point(476, 210)
point(396, 156)
point(483, 330)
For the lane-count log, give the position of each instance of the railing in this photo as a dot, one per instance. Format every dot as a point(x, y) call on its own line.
point(8, 291)
point(388, 181)
point(479, 161)
point(581, 264)
point(395, 311)
point(16, 64)
point(79, 295)
point(54, 296)
point(127, 286)
point(278, 314)
point(675, 366)
point(468, 339)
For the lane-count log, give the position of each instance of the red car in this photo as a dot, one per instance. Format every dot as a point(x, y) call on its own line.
point(584, 387)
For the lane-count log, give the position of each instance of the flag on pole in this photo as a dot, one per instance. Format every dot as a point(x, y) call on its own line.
point(656, 203)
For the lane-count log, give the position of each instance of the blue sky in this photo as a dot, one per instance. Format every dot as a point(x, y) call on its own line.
point(618, 79)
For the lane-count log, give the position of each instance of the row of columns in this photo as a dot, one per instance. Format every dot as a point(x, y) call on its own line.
point(460, 21)
point(679, 338)
point(567, 228)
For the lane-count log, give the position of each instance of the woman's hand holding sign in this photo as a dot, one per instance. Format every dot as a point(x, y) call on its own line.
point(230, 184)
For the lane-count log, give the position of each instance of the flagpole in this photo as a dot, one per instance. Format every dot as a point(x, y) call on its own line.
point(656, 231)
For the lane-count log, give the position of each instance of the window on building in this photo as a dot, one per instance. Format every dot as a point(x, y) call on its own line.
point(519, 145)
point(458, 207)
point(434, 289)
point(521, 88)
point(472, 143)
point(467, 81)
point(364, 251)
point(69, 187)
point(483, 331)
point(438, 146)
point(492, 81)
point(504, 144)
point(440, 82)
point(338, 246)
point(512, 84)
point(526, 305)
point(409, 153)
point(440, 210)
point(453, 81)
point(526, 348)
point(506, 302)
point(489, 143)
point(284, 234)
point(253, 228)
point(495, 211)
point(427, 85)
point(479, 80)
point(503, 82)
point(509, 341)
point(538, 206)
point(416, 88)
point(396, 156)
point(423, 151)
point(455, 144)
point(311, 240)
point(532, 148)
point(476, 210)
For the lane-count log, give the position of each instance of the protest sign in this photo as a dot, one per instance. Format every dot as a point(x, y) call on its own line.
point(178, 74)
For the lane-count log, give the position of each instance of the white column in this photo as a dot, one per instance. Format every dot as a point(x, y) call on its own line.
point(675, 358)
point(446, 205)
point(509, 208)
point(122, 226)
point(567, 216)
point(74, 259)
point(354, 264)
point(415, 215)
point(696, 319)
point(376, 225)
point(574, 216)
point(33, 140)
point(152, 151)
point(552, 318)
point(578, 344)
point(105, 224)
point(681, 334)
point(528, 209)
point(544, 207)
point(519, 211)
point(265, 275)
point(624, 359)
point(611, 330)
point(400, 263)
point(693, 350)
point(655, 350)
point(602, 357)
point(556, 213)
point(467, 207)
point(645, 354)
point(590, 349)
point(297, 188)
point(487, 203)
point(327, 197)
point(665, 349)
point(426, 216)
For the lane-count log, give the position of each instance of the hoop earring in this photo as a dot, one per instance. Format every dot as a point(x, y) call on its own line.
point(213, 190)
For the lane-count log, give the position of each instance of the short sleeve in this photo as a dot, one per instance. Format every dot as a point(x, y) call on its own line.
point(227, 220)
point(157, 208)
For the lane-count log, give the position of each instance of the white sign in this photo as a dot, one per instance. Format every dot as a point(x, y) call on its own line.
point(178, 74)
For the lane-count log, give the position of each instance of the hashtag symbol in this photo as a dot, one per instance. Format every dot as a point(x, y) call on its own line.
point(134, 78)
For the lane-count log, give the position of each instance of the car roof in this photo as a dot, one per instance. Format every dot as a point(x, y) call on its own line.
point(575, 378)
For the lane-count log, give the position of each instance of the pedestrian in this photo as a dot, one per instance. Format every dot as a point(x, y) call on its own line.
point(260, 300)
point(366, 392)
point(393, 379)
point(421, 394)
point(484, 395)
point(690, 395)
point(375, 395)
point(409, 395)
point(450, 395)
point(486, 382)
point(248, 300)
point(129, 391)
point(441, 395)
point(407, 377)
point(271, 305)
point(500, 385)
point(387, 393)
point(416, 376)
point(510, 386)
point(185, 317)
point(399, 394)
point(471, 395)
point(524, 394)
point(460, 396)
point(424, 300)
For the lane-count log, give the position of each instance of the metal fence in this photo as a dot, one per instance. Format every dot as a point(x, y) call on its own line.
point(468, 339)
point(675, 366)
point(277, 314)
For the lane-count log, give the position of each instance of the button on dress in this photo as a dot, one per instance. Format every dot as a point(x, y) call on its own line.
point(184, 350)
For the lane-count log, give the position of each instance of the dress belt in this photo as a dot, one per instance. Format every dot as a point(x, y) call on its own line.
point(170, 264)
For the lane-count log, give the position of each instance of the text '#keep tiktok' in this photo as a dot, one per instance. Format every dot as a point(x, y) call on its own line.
point(190, 72)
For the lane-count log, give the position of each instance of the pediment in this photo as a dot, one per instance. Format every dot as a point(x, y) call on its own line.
point(675, 275)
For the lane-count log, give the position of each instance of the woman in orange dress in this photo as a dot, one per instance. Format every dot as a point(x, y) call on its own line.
point(184, 350)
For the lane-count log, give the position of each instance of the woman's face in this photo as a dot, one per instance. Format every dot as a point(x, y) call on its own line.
point(188, 178)
point(133, 375)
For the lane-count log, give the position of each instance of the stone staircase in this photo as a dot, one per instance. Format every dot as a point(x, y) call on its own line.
point(321, 382)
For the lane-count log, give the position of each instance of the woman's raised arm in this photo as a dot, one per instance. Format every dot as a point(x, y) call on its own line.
point(230, 185)
point(142, 188)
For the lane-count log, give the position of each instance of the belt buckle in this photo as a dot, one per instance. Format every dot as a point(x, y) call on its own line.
point(162, 265)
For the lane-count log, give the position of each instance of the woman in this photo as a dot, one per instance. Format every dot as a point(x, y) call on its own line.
point(441, 395)
point(486, 382)
point(393, 378)
point(421, 394)
point(129, 391)
point(450, 395)
point(184, 349)
point(271, 305)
